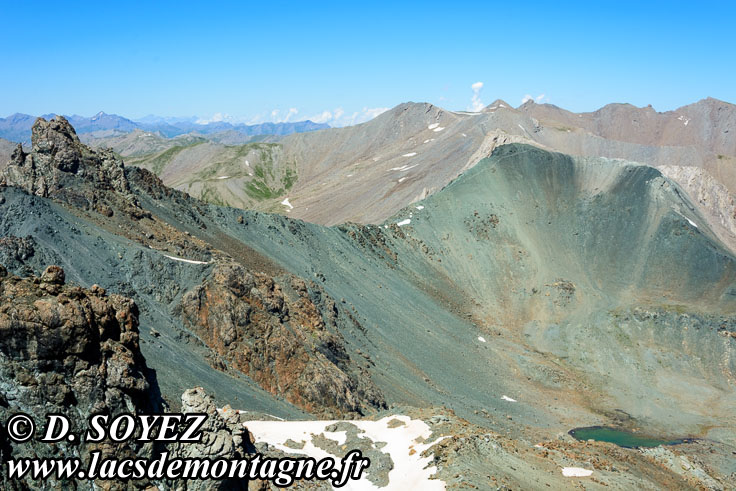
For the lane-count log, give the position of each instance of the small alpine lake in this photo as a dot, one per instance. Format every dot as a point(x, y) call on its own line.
point(621, 437)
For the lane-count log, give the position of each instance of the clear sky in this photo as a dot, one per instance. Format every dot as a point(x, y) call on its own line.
point(272, 60)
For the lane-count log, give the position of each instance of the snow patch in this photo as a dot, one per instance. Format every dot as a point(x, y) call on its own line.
point(467, 113)
point(403, 167)
point(402, 443)
point(437, 130)
point(402, 179)
point(432, 126)
point(182, 260)
point(409, 154)
point(420, 207)
point(286, 203)
point(576, 472)
point(403, 222)
point(686, 218)
point(224, 177)
point(482, 340)
point(507, 398)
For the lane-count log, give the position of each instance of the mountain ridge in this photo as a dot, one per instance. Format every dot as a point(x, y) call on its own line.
point(415, 149)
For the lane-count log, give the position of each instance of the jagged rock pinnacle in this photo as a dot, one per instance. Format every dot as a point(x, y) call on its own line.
point(57, 142)
point(59, 166)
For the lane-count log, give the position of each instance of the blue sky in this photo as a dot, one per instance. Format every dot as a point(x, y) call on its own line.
point(273, 60)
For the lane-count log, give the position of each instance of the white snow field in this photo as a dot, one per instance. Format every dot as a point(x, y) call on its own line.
point(401, 437)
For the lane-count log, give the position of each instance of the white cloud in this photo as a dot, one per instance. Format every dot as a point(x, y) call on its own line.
point(373, 112)
point(292, 112)
point(540, 98)
point(338, 117)
point(476, 105)
point(216, 118)
point(276, 117)
point(335, 117)
point(323, 117)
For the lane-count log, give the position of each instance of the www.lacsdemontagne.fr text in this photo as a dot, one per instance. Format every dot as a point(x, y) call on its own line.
point(181, 428)
point(282, 471)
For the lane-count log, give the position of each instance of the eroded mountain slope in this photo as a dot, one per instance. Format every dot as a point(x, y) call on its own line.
point(84, 213)
point(563, 266)
point(368, 172)
point(526, 295)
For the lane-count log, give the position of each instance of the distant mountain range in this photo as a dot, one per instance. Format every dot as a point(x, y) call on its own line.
point(17, 127)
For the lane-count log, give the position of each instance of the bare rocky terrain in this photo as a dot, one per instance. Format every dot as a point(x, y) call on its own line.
point(368, 172)
point(513, 304)
point(705, 125)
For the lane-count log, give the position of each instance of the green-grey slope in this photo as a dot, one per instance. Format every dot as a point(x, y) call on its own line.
point(581, 275)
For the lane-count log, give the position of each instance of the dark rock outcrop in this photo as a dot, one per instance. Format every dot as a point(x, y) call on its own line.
point(71, 351)
point(75, 351)
point(16, 253)
point(283, 334)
